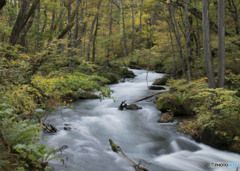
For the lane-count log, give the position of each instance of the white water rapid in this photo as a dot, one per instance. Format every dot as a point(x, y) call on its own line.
point(159, 146)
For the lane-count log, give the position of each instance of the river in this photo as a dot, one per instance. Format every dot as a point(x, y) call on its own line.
point(159, 147)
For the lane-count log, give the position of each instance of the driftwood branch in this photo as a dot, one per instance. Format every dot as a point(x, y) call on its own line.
point(119, 151)
point(148, 97)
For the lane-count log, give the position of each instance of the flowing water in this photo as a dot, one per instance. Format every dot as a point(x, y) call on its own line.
point(159, 147)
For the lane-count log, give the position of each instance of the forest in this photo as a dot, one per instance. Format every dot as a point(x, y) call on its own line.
point(54, 52)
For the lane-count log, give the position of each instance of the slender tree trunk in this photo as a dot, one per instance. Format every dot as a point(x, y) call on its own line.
point(207, 45)
point(124, 41)
point(170, 33)
point(45, 20)
point(133, 26)
point(178, 38)
point(91, 31)
point(110, 31)
point(53, 18)
point(37, 46)
point(94, 41)
point(70, 54)
point(198, 34)
point(140, 29)
point(188, 44)
point(76, 30)
point(23, 40)
point(221, 43)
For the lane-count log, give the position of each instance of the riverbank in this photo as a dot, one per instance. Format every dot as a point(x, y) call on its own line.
point(216, 112)
point(22, 107)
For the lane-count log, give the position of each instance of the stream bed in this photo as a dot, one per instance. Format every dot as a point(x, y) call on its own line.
point(159, 147)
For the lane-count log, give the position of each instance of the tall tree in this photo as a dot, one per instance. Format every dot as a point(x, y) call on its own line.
point(92, 29)
point(188, 44)
point(177, 36)
point(207, 45)
point(133, 25)
point(140, 28)
point(221, 43)
point(110, 30)
point(123, 28)
point(22, 19)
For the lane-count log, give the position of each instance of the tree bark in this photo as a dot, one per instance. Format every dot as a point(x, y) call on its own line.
point(140, 29)
point(170, 32)
point(94, 41)
point(91, 31)
point(23, 16)
point(133, 26)
point(110, 31)
point(221, 43)
point(198, 34)
point(178, 38)
point(188, 44)
point(207, 45)
point(122, 21)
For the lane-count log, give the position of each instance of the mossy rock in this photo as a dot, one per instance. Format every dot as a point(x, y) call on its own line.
point(209, 137)
point(166, 117)
point(88, 95)
point(163, 105)
point(161, 81)
point(125, 73)
point(168, 102)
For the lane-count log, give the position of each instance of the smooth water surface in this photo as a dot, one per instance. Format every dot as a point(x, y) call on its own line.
point(159, 147)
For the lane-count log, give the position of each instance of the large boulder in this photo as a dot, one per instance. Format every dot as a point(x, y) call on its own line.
point(161, 81)
point(180, 106)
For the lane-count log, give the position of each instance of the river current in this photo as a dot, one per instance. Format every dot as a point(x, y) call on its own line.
point(159, 147)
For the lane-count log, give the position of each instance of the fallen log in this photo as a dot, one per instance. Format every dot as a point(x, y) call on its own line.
point(149, 96)
point(119, 151)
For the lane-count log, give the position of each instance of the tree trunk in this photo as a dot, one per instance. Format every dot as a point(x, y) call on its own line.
point(133, 26)
point(188, 44)
point(140, 29)
point(23, 40)
point(70, 54)
point(198, 34)
point(110, 31)
point(91, 31)
point(171, 38)
point(221, 43)
point(122, 21)
point(45, 20)
point(178, 38)
point(23, 16)
point(53, 18)
point(37, 46)
point(94, 41)
point(207, 45)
